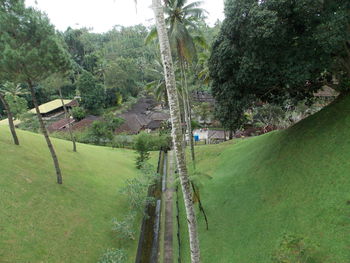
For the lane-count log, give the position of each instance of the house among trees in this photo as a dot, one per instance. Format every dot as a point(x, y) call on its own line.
point(54, 109)
point(142, 116)
point(50, 111)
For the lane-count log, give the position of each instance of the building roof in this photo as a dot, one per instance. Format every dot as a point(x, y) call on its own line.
point(154, 124)
point(159, 116)
point(133, 123)
point(216, 134)
point(86, 123)
point(5, 122)
point(59, 125)
point(202, 96)
point(46, 108)
point(51, 106)
point(143, 105)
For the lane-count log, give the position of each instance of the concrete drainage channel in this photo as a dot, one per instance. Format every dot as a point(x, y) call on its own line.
point(148, 246)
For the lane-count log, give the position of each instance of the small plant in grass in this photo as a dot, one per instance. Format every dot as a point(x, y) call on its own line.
point(146, 142)
point(295, 249)
point(113, 256)
point(136, 189)
point(124, 228)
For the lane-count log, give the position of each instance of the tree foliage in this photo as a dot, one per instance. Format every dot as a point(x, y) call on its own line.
point(92, 92)
point(274, 50)
point(30, 50)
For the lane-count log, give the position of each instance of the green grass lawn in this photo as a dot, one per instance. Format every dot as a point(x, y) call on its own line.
point(41, 221)
point(293, 181)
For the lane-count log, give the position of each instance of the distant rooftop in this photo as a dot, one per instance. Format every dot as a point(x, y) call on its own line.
point(51, 106)
point(45, 108)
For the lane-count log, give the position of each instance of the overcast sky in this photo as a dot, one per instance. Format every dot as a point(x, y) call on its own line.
point(102, 15)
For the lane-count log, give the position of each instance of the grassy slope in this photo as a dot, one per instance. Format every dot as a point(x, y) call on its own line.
point(41, 221)
point(295, 181)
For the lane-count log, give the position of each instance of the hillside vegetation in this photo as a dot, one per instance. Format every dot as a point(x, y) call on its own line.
point(295, 181)
point(41, 221)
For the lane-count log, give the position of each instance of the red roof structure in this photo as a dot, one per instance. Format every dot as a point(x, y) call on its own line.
point(86, 123)
point(60, 125)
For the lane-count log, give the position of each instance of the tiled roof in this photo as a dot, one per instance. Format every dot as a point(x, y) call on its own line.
point(59, 125)
point(85, 123)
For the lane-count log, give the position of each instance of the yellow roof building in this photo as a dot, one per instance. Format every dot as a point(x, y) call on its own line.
point(44, 108)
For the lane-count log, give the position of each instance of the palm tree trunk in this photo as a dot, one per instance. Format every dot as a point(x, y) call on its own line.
point(66, 115)
point(10, 119)
point(189, 119)
point(177, 129)
point(46, 135)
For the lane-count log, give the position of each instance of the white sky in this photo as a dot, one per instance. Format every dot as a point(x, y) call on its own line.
point(102, 15)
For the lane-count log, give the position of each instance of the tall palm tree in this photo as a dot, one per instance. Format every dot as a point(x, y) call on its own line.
point(158, 86)
point(4, 89)
point(177, 127)
point(181, 18)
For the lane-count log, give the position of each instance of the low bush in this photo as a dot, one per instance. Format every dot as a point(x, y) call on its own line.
point(113, 256)
point(125, 228)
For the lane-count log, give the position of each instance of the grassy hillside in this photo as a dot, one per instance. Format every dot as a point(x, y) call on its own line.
point(294, 181)
point(41, 221)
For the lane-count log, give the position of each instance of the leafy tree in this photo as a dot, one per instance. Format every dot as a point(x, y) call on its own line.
point(142, 146)
point(17, 105)
point(92, 92)
point(13, 95)
point(102, 131)
point(203, 110)
point(276, 50)
point(121, 75)
point(78, 113)
point(55, 82)
point(30, 51)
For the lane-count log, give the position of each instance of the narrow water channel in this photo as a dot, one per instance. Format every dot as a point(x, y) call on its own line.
point(148, 246)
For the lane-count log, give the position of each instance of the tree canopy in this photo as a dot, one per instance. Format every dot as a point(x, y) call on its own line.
point(30, 49)
point(274, 50)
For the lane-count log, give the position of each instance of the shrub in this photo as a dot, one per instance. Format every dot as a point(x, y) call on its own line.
point(145, 142)
point(113, 256)
point(142, 146)
point(122, 141)
point(29, 122)
point(136, 189)
point(78, 113)
point(124, 228)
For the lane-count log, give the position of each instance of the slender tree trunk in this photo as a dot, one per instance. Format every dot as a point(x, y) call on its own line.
point(46, 135)
point(177, 129)
point(185, 109)
point(10, 119)
point(189, 120)
point(66, 115)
